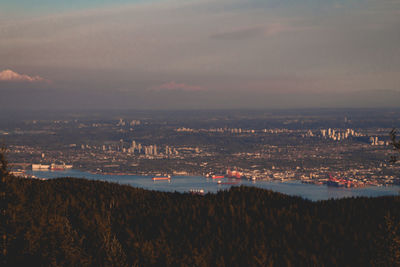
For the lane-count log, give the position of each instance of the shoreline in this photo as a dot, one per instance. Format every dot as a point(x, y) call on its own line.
point(229, 179)
point(183, 184)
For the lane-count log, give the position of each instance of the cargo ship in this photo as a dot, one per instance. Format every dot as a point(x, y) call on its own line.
point(335, 182)
point(40, 167)
point(342, 182)
point(161, 178)
point(60, 167)
point(214, 176)
point(228, 183)
point(234, 174)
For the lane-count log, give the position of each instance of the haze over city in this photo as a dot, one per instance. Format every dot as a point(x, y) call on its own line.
point(200, 133)
point(199, 54)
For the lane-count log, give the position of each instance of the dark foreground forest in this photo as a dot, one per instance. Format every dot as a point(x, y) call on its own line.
point(76, 222)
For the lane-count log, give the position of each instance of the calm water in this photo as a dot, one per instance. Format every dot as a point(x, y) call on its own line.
point(185, 183)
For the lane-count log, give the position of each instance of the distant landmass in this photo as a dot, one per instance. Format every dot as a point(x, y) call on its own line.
point(35, 99)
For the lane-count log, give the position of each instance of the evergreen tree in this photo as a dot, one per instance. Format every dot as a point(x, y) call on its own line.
point(3, 205)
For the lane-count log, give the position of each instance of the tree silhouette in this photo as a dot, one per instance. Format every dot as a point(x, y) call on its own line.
point(3, 163)
point(395, 143)
point(3, 204)
point(393, 240)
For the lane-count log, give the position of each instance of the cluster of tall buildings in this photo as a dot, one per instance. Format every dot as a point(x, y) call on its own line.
point(121, 122)
point(137, 148)
point(150, 150)
point(170, 150)
point(134, 123)
point(376, 142)
point(338, 135)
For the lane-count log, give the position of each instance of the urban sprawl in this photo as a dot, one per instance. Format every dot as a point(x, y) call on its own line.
point(296, 147)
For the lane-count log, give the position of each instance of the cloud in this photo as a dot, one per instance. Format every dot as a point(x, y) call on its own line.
point(252, 32)
point(173, 86)
point(233, 50)
point(12, 76)
point(239, 34)
point(276, 28)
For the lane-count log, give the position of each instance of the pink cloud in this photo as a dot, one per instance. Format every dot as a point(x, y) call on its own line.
point(256, 31)
point(172, 86)
point(276, 28)
point(11, 76)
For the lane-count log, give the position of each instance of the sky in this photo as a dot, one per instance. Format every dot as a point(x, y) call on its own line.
point(199, 54)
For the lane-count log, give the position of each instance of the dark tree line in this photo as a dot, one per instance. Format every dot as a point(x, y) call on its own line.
point(395, 143)
point(77, 222)
point(3, 204)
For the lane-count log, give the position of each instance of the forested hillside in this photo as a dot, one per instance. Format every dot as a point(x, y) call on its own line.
point(76, 222)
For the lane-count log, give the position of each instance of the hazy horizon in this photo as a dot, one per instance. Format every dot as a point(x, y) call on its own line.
point(226, 54)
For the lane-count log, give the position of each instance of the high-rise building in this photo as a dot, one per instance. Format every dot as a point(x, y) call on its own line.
point(121, 144)
point(121, 122)
point(134, 144)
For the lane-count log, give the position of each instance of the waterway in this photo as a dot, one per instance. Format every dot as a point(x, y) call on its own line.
point(186, 183)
